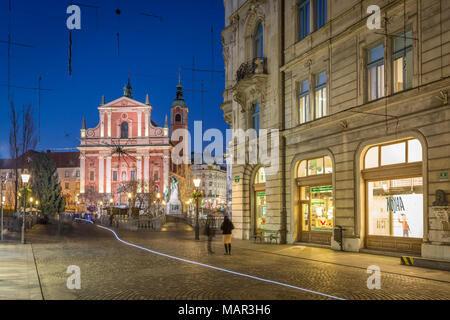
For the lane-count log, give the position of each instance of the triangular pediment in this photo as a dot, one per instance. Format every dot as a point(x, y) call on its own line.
point(124, 102)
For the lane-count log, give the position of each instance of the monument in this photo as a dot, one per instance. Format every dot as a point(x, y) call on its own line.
point(174, 206)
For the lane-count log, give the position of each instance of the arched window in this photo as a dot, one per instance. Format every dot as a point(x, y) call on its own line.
point(124, 130)
point(178, 118)
point(260, 176)
point(258, 41)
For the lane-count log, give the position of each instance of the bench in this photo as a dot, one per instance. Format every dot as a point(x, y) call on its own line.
point(267, 234)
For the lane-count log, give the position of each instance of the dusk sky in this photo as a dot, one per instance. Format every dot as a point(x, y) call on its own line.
point(148, 46)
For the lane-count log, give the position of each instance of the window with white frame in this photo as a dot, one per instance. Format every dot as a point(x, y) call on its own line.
point(375, 72)
point(320, 95)
point(402, 61)
point(304, 111)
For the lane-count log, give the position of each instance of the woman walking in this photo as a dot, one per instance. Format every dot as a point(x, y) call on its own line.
point(227, 227)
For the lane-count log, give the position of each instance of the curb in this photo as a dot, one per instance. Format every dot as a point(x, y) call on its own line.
point(425, 263)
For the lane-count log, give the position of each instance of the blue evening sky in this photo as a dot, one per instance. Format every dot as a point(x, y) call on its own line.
point(147, 47)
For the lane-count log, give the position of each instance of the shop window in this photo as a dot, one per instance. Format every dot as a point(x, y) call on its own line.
point(303, 18)
point(375, 72)
point(313, 167)
point(304, 111)
point(393, 154)
point(320, 94)
point(414, 151)
point(260, 207)
point(396, 207)
point(407, 151)
point(317, 208)
point(402, 61)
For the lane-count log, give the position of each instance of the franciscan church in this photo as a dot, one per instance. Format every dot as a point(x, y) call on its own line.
point(127, 145)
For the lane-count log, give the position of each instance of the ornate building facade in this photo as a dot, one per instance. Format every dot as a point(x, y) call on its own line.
point(363, 116)
point(127, 146)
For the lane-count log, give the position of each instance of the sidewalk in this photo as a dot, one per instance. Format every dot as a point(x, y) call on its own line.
point(18, 275)
point(349, 259)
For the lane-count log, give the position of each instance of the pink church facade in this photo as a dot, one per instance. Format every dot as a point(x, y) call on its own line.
point(127, 123)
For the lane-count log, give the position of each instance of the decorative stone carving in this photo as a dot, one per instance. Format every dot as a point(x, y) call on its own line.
point(440, 198)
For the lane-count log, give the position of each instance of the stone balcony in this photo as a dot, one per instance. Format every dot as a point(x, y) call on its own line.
point(251, 68)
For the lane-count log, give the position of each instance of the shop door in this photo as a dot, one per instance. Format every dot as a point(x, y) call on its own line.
point(317, 214)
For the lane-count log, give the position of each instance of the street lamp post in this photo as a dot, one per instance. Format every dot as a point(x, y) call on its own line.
point(130, 195)
point(197, 196)
point(2, 181)
point(158, 196)
point(25, 179)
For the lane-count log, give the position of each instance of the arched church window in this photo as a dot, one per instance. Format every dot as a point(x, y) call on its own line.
point(258, 41)
point(124, 130)
point(178, 118)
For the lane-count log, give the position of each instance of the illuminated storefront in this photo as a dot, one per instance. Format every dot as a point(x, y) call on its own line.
point(259, 188)
point(394, 196)
point(316, 221)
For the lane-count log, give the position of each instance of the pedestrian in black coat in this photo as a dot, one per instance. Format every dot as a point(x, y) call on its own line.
point(227, 228)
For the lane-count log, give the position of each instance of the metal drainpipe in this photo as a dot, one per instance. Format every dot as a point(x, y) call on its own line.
point(283, 239)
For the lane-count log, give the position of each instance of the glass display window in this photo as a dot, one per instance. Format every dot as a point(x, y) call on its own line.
point(317, 208)
point(260, 210)
point(395, 207)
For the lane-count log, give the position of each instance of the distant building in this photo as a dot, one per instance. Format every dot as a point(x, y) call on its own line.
point(67, 167)
point(213, 184)
point(127, 145)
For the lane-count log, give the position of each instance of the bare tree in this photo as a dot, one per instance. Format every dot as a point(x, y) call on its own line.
point(28, 138)
point(22, 138)
point(14, 147)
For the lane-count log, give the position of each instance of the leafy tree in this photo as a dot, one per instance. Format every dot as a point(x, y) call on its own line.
point(45, 185)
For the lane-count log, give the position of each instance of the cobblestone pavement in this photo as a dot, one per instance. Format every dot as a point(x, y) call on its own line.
point(113, 270)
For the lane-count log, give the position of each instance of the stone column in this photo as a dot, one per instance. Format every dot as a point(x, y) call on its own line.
point(147, 129)
point(165, 172)
point(109, 123)
point(101, 174)
point(139, 120)
point(102, 124)
point(82, 173)
point(108, 175)
point(146, 173)
point(139, 173)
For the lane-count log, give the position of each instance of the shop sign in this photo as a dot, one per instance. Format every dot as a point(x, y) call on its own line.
point(395, 204)
point(443, 175)
point(260, 194)
point(322, 189)
point(236, 179)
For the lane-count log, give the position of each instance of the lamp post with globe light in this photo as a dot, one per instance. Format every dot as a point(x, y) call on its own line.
point(25, 178)
point(197, 195)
